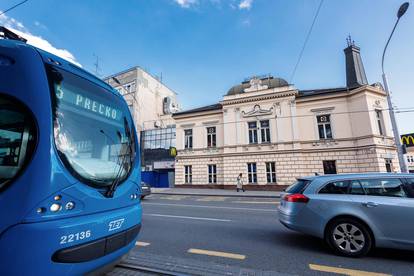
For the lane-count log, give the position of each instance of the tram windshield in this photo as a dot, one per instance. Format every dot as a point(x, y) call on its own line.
point(92, 130)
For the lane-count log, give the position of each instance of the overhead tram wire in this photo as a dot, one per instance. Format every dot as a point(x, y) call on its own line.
point(305, 42)
point(13, 7)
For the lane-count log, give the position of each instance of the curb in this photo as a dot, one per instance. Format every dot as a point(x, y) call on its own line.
point(230, 195)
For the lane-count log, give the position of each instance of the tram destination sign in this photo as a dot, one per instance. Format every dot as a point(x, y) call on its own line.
point(408, 140)
point(87, 103)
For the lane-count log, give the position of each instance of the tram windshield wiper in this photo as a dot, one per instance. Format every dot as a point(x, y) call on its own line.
point(128, 152)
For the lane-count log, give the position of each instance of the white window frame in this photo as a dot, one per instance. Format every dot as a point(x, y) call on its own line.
point(271, 174)
point(379, 119)
point(188, 174)
point(187, 139)
point(258, 132)
point(267, 133)
point(324, 126)
point(210, 136)
point(253, 131)
point(252, 175)
point(212, 175)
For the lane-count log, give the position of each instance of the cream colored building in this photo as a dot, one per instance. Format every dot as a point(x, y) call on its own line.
point(151, 102)
point(272, 132)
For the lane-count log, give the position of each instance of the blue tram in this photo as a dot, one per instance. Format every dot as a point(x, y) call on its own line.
point(69, 166)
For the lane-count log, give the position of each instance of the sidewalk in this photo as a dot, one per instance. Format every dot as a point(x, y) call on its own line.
point(213, 192)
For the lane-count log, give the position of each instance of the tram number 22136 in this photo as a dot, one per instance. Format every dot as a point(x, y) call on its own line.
point(75, 237)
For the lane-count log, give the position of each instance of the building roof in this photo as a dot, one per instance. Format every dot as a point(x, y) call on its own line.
point(301, 94)
point(269, 81)
point(315, 92)
point(200, 109)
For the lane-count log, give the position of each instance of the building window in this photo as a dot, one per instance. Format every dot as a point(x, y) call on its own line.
point(211, 137)
point(188, 138)
point(388, 164)
point(329, 167)
point(252, 132)
point(380, 121)
point(212, 174)
point(188, 174)
point(265, 131)
point(252, 172)
point(271, 172)
point(160, 138)
point(324, 126)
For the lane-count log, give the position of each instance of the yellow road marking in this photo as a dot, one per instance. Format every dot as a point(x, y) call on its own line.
point(257, 202)
point(212, 198)
point(345, 271)
point(216, 254)
point(139, 243)
point(175, 197)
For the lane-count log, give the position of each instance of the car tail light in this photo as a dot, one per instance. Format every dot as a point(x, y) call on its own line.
point(296, 198)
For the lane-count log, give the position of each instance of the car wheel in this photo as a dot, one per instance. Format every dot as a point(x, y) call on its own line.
point(348, 237)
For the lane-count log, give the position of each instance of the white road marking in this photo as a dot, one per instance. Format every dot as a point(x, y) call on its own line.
point(212, 198)
point(185, 217)
point(211, 207)
point(257, 202)
point(140, 243)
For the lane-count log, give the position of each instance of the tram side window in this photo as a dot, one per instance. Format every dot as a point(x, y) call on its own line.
point(17, 139)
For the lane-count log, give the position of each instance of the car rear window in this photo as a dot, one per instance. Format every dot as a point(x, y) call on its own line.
point(298, 187)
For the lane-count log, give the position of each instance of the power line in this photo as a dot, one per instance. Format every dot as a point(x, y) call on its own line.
point(13, 7)
point(306, 41)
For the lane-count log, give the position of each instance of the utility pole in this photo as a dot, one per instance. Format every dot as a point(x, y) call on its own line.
point(401, 11)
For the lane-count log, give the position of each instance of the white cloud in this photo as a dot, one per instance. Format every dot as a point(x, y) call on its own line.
point(245, 4)
point(34, 40)
point(40, 25)
point(186, 3)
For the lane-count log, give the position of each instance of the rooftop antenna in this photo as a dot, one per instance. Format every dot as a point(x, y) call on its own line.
point(96, 64)
point(349, 41)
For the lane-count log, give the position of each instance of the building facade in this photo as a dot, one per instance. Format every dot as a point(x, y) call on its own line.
point(152, 104)
point(272, 133)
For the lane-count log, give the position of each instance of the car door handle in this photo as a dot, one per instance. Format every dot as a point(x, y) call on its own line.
point(370, 204)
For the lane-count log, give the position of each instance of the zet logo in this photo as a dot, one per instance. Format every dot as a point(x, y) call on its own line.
point(115, 224)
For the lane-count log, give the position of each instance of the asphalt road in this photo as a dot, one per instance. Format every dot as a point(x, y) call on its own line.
point(245, 232)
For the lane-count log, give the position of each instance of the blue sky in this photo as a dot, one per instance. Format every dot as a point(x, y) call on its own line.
point(203, 47)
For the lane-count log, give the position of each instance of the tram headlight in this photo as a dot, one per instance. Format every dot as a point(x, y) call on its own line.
point(41, 210)
point(58, 197)
point(70, 205)
point(55, 207)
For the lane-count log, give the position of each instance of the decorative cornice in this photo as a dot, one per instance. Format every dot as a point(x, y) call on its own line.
point(287, 151)
point(262, 97)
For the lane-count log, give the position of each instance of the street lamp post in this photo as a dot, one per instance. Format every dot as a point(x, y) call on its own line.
point(401, 11)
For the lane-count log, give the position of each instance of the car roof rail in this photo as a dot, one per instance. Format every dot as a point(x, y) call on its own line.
point(7, 34)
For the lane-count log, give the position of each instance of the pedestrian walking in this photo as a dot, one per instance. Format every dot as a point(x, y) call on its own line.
point(239, 185)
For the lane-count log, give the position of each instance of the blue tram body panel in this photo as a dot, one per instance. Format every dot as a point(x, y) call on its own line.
point(87, 227)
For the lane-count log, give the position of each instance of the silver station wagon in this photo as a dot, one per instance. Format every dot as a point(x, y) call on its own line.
point(353, 212)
